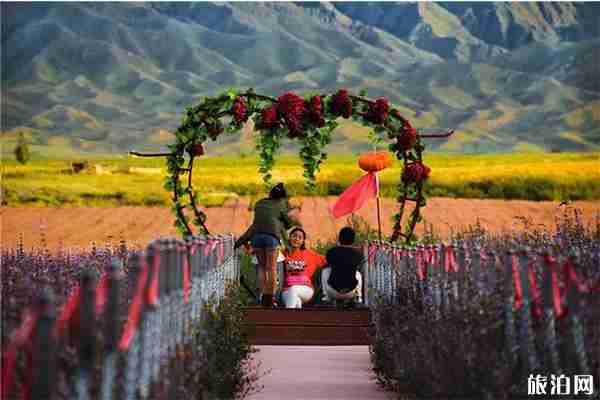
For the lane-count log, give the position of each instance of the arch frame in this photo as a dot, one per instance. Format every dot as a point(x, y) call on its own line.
point(309, 119)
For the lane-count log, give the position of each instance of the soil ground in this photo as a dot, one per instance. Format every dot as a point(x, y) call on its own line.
point(81, 227)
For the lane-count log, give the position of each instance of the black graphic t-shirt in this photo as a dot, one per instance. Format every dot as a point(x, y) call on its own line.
point(344, 262)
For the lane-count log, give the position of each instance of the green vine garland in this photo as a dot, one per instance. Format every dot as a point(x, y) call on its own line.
point(311, 120)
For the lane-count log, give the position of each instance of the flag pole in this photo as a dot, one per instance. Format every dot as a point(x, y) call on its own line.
point(378, 208)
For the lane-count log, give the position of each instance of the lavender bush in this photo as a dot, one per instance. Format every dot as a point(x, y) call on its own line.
point(459, 347)
point(26, 274)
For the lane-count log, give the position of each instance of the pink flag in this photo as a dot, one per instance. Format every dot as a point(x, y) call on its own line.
point(356, 195)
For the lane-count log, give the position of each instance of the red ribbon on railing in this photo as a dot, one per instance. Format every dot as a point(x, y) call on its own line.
point(428, 256)
point(208, 247)
point(397, 254)
point(152, 293)
point(66, 317)
point(101, 294)
point(20, 337)
point(483, 255)
point(556, 295)
point(516, 281)
point(135, 309)
point(372, 253)
point(570, 278)
point(186, 279)
point(450, 264)
point(419, 261)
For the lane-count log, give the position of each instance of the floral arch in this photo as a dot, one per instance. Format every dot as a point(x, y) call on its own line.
point(308, 119)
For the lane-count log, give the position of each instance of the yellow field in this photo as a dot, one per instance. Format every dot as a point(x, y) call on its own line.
point(139, 181)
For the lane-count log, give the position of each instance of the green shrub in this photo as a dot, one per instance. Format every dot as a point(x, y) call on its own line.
point(219, 364)
point(22, 150)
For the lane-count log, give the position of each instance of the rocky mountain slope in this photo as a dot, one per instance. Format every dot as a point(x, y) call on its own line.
point(114, 76)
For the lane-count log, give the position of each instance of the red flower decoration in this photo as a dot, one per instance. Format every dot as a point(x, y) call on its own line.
point(214, 130)
point(341, 104)
point(240, 111)
point(197, 150)
point(379, 111)
point(415, 172)
point(315, 109)
point(268, 117)
point(407, 138)
point(290, 107)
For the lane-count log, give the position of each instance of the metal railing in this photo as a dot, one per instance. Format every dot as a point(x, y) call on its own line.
point(540, 291)
point(142, 319)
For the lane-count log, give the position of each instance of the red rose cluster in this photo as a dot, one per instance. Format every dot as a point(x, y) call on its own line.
point(197, 150)
point(415, 172)
point(240, 111)
point(269, 117)
point(290, 107)
point(407, 138)
point(341, 105)
point(315, 109)
point(379, 111)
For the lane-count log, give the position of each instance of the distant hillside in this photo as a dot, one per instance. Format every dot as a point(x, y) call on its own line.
point(108, 77)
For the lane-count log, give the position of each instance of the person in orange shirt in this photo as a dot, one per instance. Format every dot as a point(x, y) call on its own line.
point(299, 266)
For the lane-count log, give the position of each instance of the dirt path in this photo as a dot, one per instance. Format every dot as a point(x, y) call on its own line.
point(79, 227)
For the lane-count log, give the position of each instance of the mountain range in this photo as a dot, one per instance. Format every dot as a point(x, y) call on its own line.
point(109, 77)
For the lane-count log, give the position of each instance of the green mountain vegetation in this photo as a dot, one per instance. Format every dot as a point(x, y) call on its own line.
point(109, 77)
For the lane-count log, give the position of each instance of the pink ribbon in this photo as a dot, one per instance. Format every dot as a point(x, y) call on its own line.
point(135, 309)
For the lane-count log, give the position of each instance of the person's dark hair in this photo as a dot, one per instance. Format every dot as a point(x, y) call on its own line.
point(278, 192)
point(347, 236)
point(298, 229)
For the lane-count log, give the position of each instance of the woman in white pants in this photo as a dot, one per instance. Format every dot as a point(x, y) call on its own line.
point(299, 266)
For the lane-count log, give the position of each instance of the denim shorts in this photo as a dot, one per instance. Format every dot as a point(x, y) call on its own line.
point(264, 241)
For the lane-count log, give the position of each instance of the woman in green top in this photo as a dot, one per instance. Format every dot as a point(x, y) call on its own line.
point(270, 223)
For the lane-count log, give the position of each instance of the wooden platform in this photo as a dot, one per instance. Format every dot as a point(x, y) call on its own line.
point(308, 326)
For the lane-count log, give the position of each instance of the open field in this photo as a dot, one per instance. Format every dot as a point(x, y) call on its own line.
point(130, 181)
point(80, 226)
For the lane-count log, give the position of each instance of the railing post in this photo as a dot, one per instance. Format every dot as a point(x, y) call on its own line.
point(552, 357)
point(446, 306)
point(365, 274)
point(43, 364)
point(164, 309)
point(112, 328)
point(576, 337)
point(476, 273)
point(133, 351)
point(509, 314)
point(171, 254)
point(462, 286)
point(529, 357)
point(87, 334)
point(149, 324)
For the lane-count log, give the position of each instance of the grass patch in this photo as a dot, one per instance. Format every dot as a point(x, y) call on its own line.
point(528, 176)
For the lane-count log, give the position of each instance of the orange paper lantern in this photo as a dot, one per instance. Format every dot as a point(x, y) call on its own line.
point(375, 161)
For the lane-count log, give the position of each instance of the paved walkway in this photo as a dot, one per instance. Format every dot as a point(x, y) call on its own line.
point(317, 373)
